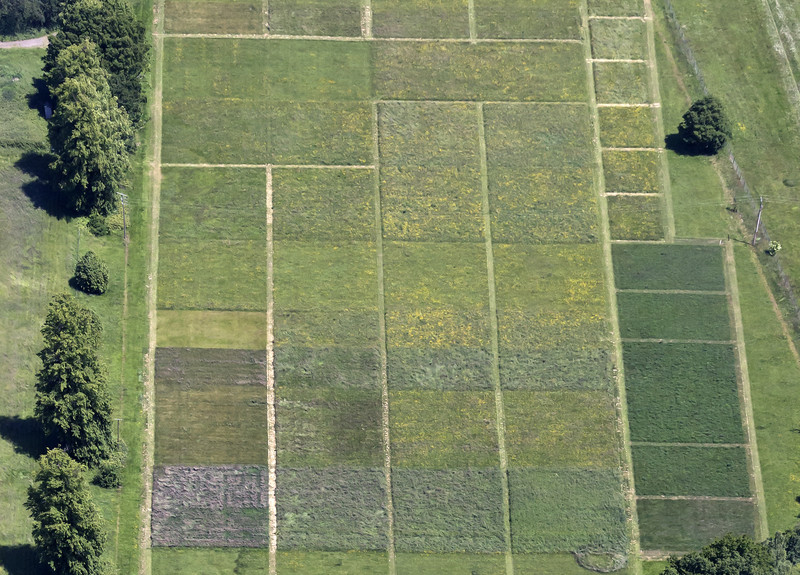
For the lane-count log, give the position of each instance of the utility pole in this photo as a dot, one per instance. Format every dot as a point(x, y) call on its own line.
point(758, 220)
point(117, 419)
point(123, 199)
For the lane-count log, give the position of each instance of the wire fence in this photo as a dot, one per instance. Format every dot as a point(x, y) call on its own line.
point(781, 277)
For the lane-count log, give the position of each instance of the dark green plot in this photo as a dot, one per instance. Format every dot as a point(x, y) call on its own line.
point(523, 19)
point(691, 470)
point(566, 510)
point(678, 267)
point(441, 511)
point(682, 525)
point(685, 393)
point(315, 17)
point(673, 316)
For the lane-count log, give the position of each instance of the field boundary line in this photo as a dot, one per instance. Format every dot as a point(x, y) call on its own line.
point(618, 61)
point(679, 444)
point(687, 341)
point(693, 498)
point(272, 446)
point(148, 399)
point(499, 404)
point(676, 291)
point(634, 194)
point(757, 483)
point(641, 18)
point(265, 16)
point(630, 149)
point(366, 19)
point(668, 217)
point(489, 102)
point(648, 242)
point(624, 105)
point(620, 400)
point(273, 166)
point(373, 38)
point(387, 445)
point(473, 25)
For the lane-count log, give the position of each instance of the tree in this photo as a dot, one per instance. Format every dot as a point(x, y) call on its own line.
point(91, 274)
point(72, 402)
point(121, 41)
point(87, 132)
point(705, 127)
point(730, 555)
point(67, 528)
point(18, 16)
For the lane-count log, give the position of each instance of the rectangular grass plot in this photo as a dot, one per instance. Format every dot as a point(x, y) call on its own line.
point(631, 171)
point(211, 561)
point(442, 429)
point(210, 506)
point(328, 427)
point(523, 19)
point(673, 316)
point(616, 8)
point(212, 329)
point(632, 127)
point(450, 367)
point(621, 83)
point(565, 510)
point(635, 218)
point(556, 368)
point(213, 203)
point(350, 562)
point(619, 39)
point(681, 525)
point(231, 17)
point(668, 267)
point(508, 71)
point(420, 18)
point(328, 366)
point(691, 470)
point(441, 511)
point(560, 429)
point(315, 17)
point(323, 204)
point(685, 393)
point(438, 563)
point(331, 509)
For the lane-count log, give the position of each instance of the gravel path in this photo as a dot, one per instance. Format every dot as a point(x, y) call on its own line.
point(40, 42)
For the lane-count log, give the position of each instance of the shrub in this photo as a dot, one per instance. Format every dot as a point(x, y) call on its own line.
point(91, 274)
point(109, 471)
point(98, 225)
point(705, 127)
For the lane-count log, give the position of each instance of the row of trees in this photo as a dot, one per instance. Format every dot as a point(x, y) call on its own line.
point(18, 16)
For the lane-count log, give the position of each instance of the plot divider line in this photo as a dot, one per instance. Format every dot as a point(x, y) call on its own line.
point(273, 166)
point(625, 105)
point(641, 18)
point(635, 194)
point(500, 417)
point(473, 26)
point(748, 420)
point(265, 16)
point(271, 439)
point(618, 61)
point(621, 405)
point(387, 446)
point(630, 149)
point(366, 19)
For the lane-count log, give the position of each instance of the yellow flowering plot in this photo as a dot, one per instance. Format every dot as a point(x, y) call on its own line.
point(430, 204)
point(437, 328)
point(628, 127)
point(315, 17)
point(325, 276)
point(619, 39)
point(182, 17)
point(631, 171)
point(327, 205)
point(427, 275)
point(543, 206)
point(561, 429)
point(523, 136)
point(212, 275)
point(526, 19)
point(551, 72)
point(420, 18)
point(635, 218)
point(443, 429)
point(621, 83)
point(428, 134)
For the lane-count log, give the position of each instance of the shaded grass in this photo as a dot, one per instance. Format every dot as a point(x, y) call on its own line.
point(508, 72)
point(635, 218)
point(328, 427)
point(220, 203)
point(186, 17)
point(631, 171)
point(682, 393)
point(420, 18)
point(22, 127)
point(627, 127)
point(774, 378)
point(673, 316)
point(547, 429)
point(443, 511)
point(323, 205)
point(315, 17)
point(688, 525)
point(715, 471)
point(212, 275)
point(619, 39)
point(521, 19)
point(621, 83)
point(212, 329)
point(442, 429)
point(331, 509)
point(678, 267)
point(565, 510)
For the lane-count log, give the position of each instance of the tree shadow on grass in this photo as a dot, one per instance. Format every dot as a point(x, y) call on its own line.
point(675, 143)
point(39, 97)
point(25, 433)
point(21, 560)
point(39, 190)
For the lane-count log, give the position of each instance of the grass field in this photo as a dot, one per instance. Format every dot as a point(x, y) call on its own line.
point(668, 267)
point(635, 218)
point(673, 316)
point(632, 172)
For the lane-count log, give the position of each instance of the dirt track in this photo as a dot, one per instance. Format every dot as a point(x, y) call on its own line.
point(40, 42)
